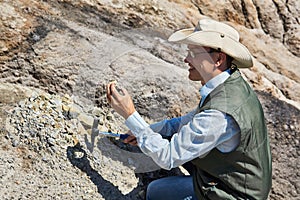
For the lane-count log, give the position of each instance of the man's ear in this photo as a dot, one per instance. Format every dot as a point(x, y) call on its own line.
point(220, 59)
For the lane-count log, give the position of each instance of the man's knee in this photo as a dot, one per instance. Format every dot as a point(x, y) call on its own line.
point(153, 190)
point(170, 188)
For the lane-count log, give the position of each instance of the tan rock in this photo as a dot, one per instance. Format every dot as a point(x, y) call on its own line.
point(86, 120)
point(12, 93)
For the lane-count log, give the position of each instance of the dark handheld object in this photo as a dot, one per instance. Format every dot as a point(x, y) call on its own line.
point(95, 130)
point(116, 135)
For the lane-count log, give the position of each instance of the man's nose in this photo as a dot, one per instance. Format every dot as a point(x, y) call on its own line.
point(186, 59)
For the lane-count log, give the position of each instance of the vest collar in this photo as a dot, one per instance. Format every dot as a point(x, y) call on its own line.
point(212, 84)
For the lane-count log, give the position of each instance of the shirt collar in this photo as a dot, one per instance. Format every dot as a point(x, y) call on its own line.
point(213, 83)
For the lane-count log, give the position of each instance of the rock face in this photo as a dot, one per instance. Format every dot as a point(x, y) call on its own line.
point(278, 19)
point(57, 56)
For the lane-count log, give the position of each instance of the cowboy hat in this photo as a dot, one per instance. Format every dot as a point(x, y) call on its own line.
point(217, 35)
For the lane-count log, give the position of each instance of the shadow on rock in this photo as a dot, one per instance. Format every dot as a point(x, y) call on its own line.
point(78, 158)
point(116, 150)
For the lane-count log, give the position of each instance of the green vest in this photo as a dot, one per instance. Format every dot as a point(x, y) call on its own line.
point(246, 172)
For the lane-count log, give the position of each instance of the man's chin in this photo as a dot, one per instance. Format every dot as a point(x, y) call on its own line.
point(194, 78)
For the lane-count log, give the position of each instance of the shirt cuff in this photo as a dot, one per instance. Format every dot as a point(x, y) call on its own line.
point(136, 123)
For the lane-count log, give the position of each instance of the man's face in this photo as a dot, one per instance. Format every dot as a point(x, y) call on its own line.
point(200, 63)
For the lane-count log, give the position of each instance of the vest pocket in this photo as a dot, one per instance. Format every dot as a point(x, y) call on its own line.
point(212, 192)
point(209, 190)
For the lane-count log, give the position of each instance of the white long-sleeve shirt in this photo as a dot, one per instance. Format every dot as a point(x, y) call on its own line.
point(192, 135)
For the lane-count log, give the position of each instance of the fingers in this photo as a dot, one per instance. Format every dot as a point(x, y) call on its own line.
point(131, 140)
point(125, 92)
point(108, 92)
point(134, 143)
point(112, 92)
point(120, 102)
point(115, 93)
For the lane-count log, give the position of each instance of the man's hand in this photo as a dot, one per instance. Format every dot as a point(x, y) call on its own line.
point(131, 139)
point(121, 103)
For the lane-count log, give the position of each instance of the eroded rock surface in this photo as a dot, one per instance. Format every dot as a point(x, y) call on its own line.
point(57, 56)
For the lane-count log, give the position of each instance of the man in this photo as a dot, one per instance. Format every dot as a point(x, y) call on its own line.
point(225, 138)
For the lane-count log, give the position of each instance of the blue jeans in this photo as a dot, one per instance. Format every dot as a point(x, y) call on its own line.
point(171, 188)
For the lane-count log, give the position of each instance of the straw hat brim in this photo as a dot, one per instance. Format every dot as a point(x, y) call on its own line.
point(240, 54)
